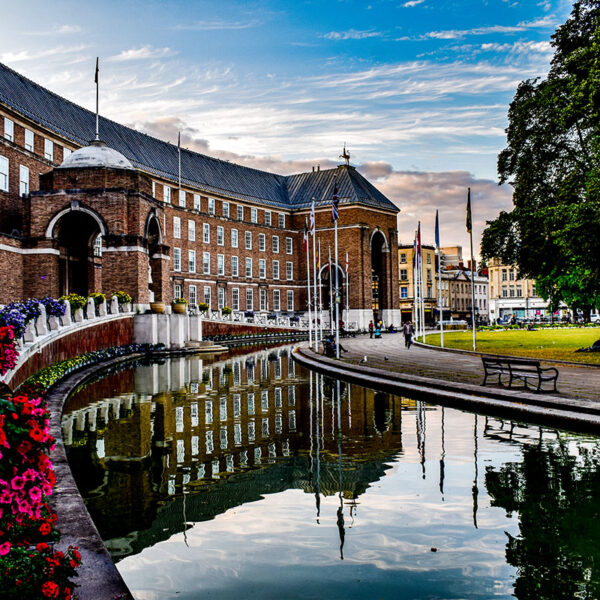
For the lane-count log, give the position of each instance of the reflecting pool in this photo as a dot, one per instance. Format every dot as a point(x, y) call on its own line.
point(253, 478)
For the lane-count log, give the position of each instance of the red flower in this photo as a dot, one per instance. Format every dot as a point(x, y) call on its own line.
point(45, 529)
point(50, 589)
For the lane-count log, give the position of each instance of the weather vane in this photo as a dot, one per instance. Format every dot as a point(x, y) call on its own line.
point(345, 155)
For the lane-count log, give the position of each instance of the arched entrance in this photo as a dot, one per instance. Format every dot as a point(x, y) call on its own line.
point(379, 251)
point(328, 291)
point(77, 234)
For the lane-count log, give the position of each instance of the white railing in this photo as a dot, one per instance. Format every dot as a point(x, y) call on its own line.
point(45, 329)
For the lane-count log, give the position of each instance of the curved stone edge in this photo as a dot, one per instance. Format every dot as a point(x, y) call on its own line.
point(98, 578)
point(571, 414)
point(553, 361)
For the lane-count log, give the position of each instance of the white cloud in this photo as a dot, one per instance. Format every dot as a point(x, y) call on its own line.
point(34, 56)
point(217, 25)
point(143, 53)
point(351, 34)
point(412, 3)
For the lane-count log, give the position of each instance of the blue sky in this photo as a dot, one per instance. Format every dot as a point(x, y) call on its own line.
point(417, 89)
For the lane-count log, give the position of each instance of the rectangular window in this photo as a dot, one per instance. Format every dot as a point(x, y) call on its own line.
point(167, 194)
point(23, 180)
point(428, 259)
point(154, 189)
point(249, 299)
point(235, 299)
point(512, 291)
point(289, 245)
point(234, 238)
point(196, 201)
point(192, 261)
point(262, 242)
point(29, 140)
point(504, 274)
point(182, 198)
point(206, 263)
point(428, 274)
point(220, 235)
point(267, 217)
point(177, 228)
point(178, 291)
point(276, 300)
point(403, 257)
point(276, 244)
point(263, 299)
point(290, 300)
point(211, 206)
point(66, 153)
point(248, 240)
point(240, 212)
point(504, 291)
point(191, 230)
point(226, 210)
point(519, 291)
point(262, 268)
point(275, 269)
point(248, 267)
point(177, 260)
point(289, 270)
point(49, 149)
point(253, 215)
point(403, 292)
point(193, 295)
point(220, 264)
point(221, 300)
point(207, 299)
point(206, 233)
point(9, 130)
point(234, 266)
point(403, 274)
point(281, 220)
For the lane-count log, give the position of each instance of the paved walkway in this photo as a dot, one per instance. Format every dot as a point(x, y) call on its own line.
point(573, 381)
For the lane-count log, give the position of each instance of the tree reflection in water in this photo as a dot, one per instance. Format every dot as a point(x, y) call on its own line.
point(555, 493)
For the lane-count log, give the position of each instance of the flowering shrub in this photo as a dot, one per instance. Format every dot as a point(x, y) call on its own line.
point(203, 307)
point(75, 300)
point(226, 310)
point(122, 297)
point(18, 314)
point(30, 566)
point(98, 298)
point(54, 308)
point(8, 351)
point(180, 301)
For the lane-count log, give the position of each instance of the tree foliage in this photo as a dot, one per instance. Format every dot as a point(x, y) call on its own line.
point(552, 160)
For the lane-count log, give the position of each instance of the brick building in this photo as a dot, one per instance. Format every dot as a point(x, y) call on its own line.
point(89, 216)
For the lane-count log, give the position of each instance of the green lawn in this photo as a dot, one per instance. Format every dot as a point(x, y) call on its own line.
point(558, 344)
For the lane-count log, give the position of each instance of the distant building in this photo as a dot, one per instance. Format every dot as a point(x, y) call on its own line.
point(406, 281)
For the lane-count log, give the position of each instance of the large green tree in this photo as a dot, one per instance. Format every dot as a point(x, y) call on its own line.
point(552, 160)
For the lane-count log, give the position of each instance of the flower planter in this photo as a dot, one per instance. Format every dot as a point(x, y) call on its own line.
point(179, 308)
point(157, 307)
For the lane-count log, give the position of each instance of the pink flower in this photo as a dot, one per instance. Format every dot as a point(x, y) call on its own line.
point(4, 548)
point(35, 494)
point(17, 483)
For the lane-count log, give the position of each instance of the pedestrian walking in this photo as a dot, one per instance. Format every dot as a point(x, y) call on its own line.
point(371, 329)
point(408, 330)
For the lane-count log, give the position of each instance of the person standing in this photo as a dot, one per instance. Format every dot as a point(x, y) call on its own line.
point(408, 330)
point(371, 329)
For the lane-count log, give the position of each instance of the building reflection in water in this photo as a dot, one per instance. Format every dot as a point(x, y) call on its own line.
point(175, 433)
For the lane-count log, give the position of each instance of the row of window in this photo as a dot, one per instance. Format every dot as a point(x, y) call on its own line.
point(211, 208)
point(9, 134)
point(5, 180)
point(263, 298)
point(234, 234)
point(235, 264)
point(403, 258)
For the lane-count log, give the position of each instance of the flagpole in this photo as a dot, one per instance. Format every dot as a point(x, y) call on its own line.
point(330, 295)
point(179, 159)
point(307, 245)
point(314, 242)
point(320, 296)
point(337, 297)
point(97, 100)
point(422, 294)
point(440, 299)
point(415, 286)
point(470, 230)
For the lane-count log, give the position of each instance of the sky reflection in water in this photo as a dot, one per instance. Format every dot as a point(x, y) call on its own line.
point(283, 514)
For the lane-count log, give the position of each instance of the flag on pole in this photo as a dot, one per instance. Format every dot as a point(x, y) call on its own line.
point(335, 200)
point(419, 241)
point(97, 69)
point(469, 223)
point(305, 239)
point(437, 230)
point(319, 257)
point(312, 218)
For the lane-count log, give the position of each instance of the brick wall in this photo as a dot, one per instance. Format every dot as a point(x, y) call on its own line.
point(11, 269)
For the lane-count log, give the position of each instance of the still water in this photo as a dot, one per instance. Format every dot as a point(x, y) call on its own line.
point(253, 478)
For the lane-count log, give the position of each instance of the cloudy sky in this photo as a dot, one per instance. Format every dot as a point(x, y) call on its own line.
point(417, 89)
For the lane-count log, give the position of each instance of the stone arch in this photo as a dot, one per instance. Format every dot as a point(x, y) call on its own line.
point(152, 229)
point(328, 303)
point(76, 206)
point(376, 231)
point(380, 257)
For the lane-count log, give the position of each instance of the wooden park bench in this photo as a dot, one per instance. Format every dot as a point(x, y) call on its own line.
point(518, 370)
